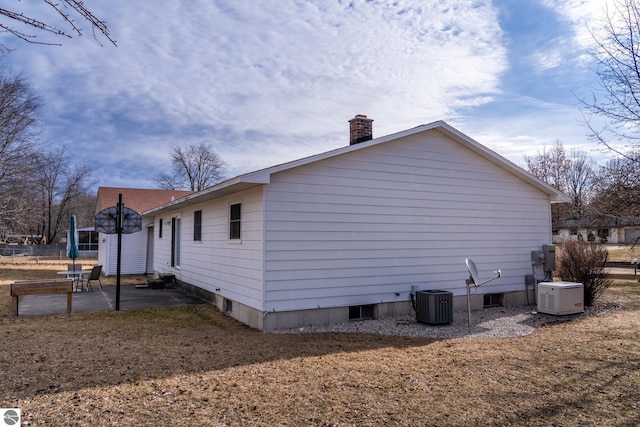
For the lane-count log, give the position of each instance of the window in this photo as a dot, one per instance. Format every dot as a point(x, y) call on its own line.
point(87, 240)
point(160, 228)
point(234, 221)
point(197, 226)
point(603, 235)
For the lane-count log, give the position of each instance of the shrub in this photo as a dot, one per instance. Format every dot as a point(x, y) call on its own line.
point(583, 262)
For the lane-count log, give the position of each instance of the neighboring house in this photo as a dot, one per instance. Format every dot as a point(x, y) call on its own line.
point(87, 242)
point(353, 232)
point(615, 231)
point(136, 255)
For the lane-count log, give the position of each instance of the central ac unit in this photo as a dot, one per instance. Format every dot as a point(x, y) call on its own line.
point(560, 298)
point(434, 307)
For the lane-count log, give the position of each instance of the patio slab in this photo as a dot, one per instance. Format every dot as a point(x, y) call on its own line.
point(131, 297)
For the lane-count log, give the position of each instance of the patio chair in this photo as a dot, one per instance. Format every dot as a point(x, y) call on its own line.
point(93, 276)
point(74, 267)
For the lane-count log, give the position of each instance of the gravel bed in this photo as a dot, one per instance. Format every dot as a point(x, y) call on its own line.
point(495, 322)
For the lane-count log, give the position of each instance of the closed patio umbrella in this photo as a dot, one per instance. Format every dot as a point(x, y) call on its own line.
point(72, 241)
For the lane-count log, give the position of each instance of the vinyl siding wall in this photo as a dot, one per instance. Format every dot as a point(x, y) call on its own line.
point(133, 252)
point(230, 268)
point(359, 228)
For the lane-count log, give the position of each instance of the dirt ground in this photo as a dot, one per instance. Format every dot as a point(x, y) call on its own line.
point(194, 366)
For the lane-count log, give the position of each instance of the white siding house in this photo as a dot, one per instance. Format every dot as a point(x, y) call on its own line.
point(364, 225)
point(624, 230)
point(133, 253)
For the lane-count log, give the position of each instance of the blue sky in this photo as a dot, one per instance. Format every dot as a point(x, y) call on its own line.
point(265, 82)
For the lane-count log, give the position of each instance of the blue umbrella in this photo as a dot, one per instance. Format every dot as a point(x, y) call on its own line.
point(72, 241)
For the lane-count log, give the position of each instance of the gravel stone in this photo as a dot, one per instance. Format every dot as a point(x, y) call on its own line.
point(495, 322)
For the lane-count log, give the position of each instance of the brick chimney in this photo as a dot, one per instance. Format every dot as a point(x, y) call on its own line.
point(360, 129)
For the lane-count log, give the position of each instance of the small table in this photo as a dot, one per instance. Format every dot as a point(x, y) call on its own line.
point(77, 276)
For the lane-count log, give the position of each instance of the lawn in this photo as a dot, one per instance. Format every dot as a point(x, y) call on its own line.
point(195, 366)
point(624, 253)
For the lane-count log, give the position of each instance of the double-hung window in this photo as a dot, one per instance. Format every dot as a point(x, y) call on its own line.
point(197, 226)
point(235, 213)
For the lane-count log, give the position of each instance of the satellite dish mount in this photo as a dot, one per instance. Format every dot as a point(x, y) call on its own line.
point(475, 281)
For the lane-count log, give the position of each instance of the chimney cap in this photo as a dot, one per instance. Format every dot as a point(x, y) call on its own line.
point(360, 117)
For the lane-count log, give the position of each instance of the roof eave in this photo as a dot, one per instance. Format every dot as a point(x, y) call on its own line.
point(233, 185)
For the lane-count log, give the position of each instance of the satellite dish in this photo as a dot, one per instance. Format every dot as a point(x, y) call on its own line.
point(473, 271)
point(473, 278)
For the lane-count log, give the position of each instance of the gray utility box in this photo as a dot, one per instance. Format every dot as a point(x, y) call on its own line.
point(434, 307)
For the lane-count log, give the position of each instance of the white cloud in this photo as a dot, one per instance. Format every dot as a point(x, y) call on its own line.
point(264, 81)
point(546, 60)
point(581, 15)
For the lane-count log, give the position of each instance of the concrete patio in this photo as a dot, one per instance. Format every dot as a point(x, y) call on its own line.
point(131, 297)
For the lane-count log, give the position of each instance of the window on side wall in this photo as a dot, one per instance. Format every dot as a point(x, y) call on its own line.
point(88, 240)
point(197, 226)
point(160, 229)
point(235, 213)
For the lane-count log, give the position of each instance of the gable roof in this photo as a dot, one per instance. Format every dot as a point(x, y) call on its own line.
point(263, 176)
point(138, 199)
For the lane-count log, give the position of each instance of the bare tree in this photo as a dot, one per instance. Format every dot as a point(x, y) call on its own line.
point(572, 174)
point(169, 181)
point(37, 189)
point(550, 165)
point(617, 64)
point(83, 206)
point(19, 138)
point(194, 167)
point(68, 11)
point(617, 104)
point(579, 183)
point(61, 184)
point(617, 189)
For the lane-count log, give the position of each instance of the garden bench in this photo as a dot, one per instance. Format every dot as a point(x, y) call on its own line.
point(34, 287)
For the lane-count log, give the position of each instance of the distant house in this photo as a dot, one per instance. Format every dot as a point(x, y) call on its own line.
point(137, 248)
point(87, 242)
point(615, 231)
point(353, 232)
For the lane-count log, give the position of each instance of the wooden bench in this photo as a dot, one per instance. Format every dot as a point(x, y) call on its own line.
point(34, 287)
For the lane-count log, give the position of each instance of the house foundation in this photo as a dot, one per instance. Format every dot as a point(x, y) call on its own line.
point(273, 320)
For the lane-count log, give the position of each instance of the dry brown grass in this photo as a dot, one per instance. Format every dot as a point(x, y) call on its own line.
point(194, 366)
point(623, 253)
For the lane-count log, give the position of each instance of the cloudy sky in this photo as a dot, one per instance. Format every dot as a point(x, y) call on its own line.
point(268, 81)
